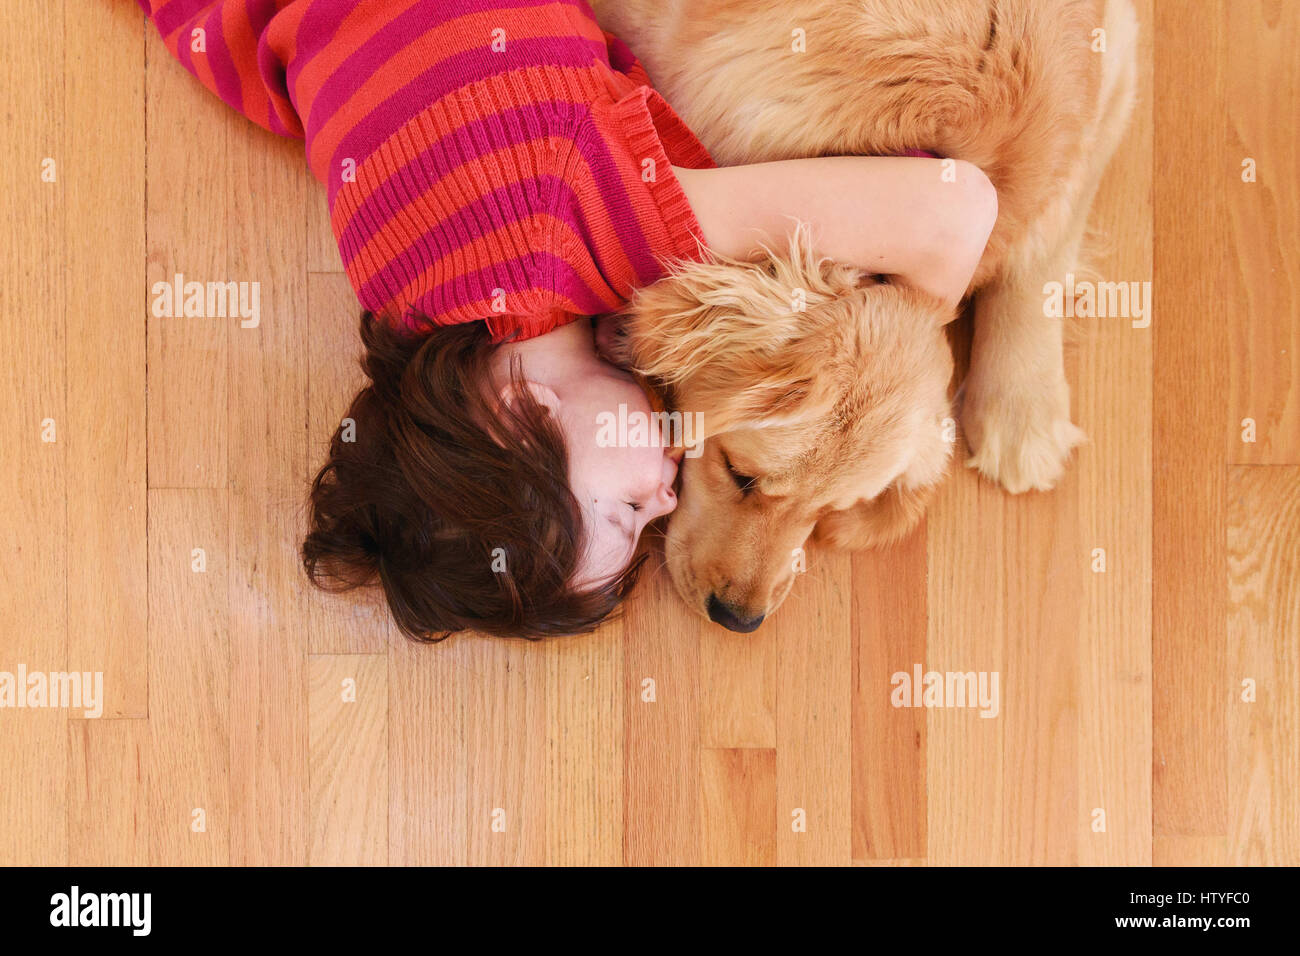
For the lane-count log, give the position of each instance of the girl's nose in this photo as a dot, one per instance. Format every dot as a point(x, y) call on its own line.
point(665, 501)
point(669, 473)
point(665, 497)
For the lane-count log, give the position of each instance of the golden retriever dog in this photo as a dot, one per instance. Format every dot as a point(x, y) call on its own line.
point(824, 393)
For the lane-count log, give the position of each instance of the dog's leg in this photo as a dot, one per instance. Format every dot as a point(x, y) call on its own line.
point(1016, 410)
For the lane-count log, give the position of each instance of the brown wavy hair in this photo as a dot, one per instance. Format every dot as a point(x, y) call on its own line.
point(432, 476)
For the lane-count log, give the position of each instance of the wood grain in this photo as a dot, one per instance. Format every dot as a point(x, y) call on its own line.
point(189, 667)
point(737, 687)
point(967, 622)
point(108, 792)
point(661, 727)
point(429, 785)
point(187, 136)
point(103, 188)
point(1263, 665)
point(34, 434)
point(1113, 562)
point(348, 704)
point(585, 693)
point(813, 705)
point(888, 631)
point(266, 432)
point(738, 817)
point(1262, 224)
point(1189, 412)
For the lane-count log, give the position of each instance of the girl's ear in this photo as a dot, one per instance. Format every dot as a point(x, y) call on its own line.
point(543, 395)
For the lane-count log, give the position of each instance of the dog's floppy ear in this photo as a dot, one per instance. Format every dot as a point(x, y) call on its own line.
point(876, 523)
point(783, 396)
point(893, 513)
point(753, 343)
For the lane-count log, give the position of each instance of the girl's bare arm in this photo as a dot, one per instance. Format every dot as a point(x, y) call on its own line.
point(896, 216)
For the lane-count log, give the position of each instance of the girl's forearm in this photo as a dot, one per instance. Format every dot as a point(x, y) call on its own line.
point(900, 217)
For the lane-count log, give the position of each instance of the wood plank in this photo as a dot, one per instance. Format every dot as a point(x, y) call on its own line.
point(103, 181)
point(889, 630)
point(661, 727)
point(189, 661)
point(1263, 722)
point(348, 706)
point(967, 532)
point(1190, 850)
point(1189, 786)
point(913, 862)
point(506, 803)
point(738, 806)
point(814, 715)
point(584, 747)
point(108, 798)
point(1039, 682)
point(737, 687)
point(1263, 220)
point(33, 510)
point(189, 195)
point(266, 433)
point(322, 250)
point(1112, 401)
point(428, 781)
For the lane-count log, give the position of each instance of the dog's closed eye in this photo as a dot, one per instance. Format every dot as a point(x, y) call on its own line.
point(744, 482)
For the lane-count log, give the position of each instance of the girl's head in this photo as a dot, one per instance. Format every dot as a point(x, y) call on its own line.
point(474, 484)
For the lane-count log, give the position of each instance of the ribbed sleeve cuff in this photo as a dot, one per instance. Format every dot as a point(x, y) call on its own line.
point(653, 130)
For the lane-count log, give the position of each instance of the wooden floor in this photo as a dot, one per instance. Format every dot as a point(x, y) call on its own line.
point(1149, 713)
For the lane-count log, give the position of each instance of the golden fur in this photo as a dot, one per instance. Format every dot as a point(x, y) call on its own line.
point(839, 410)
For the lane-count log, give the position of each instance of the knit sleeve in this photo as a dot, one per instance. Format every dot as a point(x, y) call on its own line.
point(238, 49)
point(631, 216)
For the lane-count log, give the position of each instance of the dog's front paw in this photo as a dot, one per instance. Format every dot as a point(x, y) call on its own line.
point(1020, 437)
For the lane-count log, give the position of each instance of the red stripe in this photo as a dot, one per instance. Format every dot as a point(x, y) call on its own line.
point(361, 23)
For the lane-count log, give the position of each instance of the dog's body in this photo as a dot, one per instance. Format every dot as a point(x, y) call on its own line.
point(836, 412)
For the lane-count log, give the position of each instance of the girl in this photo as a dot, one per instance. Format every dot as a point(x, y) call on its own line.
point(496, 170)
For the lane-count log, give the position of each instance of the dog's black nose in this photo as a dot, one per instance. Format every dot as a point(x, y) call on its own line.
point(719, 613)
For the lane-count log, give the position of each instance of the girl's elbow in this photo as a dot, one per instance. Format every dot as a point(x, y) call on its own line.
point(969, 215)
point(979, 203)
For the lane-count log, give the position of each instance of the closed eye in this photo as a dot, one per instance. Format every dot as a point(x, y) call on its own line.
point(744, 482)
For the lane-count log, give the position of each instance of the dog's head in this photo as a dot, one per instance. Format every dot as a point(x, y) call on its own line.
point(822, 395)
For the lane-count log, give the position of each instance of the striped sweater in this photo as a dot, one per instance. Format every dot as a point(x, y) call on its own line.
point(504, 160)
